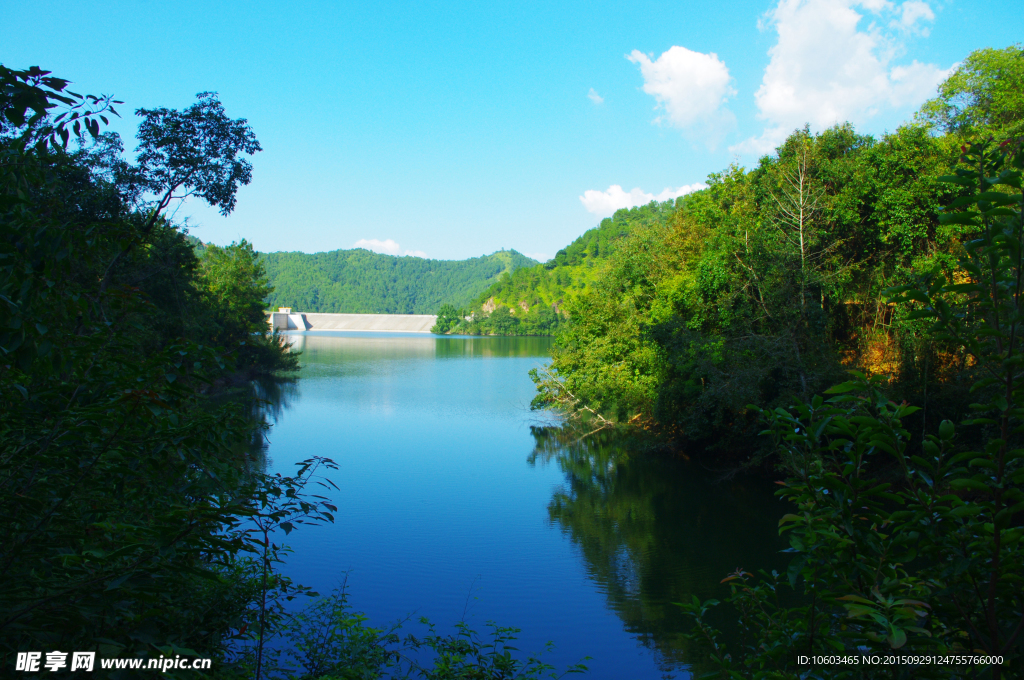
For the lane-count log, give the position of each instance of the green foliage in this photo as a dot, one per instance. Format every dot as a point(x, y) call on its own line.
point(538, 320)
point(361, 282)
point(535, 300)
point(123, 477)
point(464, 655)
point(932, 563)
point(447, 318)
point(47, 126)
point(760, 287)
point(765, 286)
point(330, 641)
point(538, 297)
point(234, 284)
point(195, 151)
point(984, 96)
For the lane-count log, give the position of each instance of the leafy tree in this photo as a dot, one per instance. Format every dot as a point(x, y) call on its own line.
point(447, 318)
point(234, 283)
point(195, 152)
point(985, 95)
point(503, 322)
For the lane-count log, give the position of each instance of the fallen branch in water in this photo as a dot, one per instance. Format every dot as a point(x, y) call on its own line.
point(555, 395)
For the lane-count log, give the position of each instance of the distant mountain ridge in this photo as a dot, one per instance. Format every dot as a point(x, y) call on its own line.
point(359, 281)
point(575, 267)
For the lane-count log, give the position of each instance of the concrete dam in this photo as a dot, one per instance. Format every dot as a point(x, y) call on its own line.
point(287, 320)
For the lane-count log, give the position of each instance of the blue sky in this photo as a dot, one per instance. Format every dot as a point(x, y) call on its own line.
point(455, 129)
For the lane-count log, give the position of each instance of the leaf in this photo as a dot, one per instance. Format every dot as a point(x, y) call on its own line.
point(959, 218)
point(971, 484)
point(117, 582)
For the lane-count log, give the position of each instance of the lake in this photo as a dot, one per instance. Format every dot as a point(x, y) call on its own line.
point(455, 504)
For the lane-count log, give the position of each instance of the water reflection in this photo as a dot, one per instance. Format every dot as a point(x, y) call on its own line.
point(655, 530)
point(337, 347)
point(268, 399)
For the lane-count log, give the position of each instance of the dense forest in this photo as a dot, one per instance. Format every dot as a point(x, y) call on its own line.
point(362, 282)
point(846, 315)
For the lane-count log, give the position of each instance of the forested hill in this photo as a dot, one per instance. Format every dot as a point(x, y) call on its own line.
point(576, 265)
point(359, 281)
point(770, 284)
point(529, 300)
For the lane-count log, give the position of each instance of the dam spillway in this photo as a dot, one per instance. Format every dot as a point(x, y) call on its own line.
point(380, 323)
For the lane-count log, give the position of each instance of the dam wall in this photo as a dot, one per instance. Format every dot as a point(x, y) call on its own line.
point(380, 323)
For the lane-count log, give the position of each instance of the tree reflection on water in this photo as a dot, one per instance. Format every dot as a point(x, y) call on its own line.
point(656, 529)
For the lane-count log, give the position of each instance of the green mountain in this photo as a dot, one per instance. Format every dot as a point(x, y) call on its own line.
point(360, 281)
point(531, 300)
point(575, 267)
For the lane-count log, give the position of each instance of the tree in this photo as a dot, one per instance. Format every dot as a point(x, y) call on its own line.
point(234, 277)
point(195, 152)
point(985, 95)
point(502, 322)
point(798, 202)
point(448, 317)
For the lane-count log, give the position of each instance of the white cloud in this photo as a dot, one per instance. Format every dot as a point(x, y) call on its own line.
point(540, 257)
point(605, 203)
point(595, 97)
point(913, 11)
point(692, 89)
point(387, 247)
point(825, 69)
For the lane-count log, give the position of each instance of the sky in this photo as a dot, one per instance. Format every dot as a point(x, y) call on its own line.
point(454, 129)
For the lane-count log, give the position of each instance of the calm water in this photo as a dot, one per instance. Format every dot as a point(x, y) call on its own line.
point(451, 506)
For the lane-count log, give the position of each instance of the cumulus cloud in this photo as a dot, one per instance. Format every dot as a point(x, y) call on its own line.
point(595, 97)
point(386, 247)
point(827, 68)
point(540, 257)
point(605, 203)
point(691, 88)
